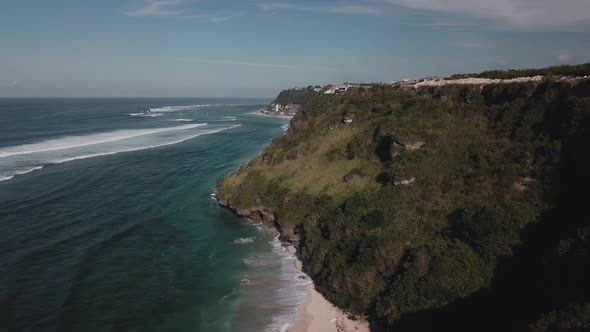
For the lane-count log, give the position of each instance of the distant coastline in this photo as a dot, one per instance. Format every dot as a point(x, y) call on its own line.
point(271, 114)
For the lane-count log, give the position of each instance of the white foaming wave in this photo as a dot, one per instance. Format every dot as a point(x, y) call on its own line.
point(180, 120)
point(92, 139)
point(224, 298)
point(244, 240)
point(147, 114)
point(142, 148)
point(255, 262)
point(21, 172)
point(166, 109)
point(28, 163)
point(294, 292)
point(272, 274)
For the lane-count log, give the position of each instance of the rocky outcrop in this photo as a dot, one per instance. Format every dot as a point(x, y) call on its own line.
point(405, 182)
point(523, 184)
point(391, 144)
point(258, 215)
point(411, 143)
point(266, 217)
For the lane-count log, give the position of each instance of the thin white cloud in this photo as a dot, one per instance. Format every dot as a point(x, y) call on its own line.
point(173, 9)
point(519, 13)
point(159, 8)
point(14, 84)
point(349, 9)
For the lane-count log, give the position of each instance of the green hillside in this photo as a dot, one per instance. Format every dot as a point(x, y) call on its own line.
point(447, 208)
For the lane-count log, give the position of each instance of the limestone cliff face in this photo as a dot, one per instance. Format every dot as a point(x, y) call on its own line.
point(435, 202)
point(264, 216)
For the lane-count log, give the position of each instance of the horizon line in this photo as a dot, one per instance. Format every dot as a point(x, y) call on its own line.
point(122, 97)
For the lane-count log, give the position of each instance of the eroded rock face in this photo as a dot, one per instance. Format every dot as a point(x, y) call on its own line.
point(522, 185)
point(391, 144)
point(408, 141)
point(265, 216)
point(405, 182)
point(289, 235)
point(258, 215)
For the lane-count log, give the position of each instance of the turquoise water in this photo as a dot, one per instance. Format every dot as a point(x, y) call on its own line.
point(108, 222)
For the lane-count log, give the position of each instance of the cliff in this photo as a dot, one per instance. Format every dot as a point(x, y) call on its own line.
point(448, 206)
point(290, 101)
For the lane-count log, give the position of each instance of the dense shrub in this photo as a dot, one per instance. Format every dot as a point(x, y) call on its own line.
point(500, 181)
point(577, 70)
point(493, 231)
point(295, 96)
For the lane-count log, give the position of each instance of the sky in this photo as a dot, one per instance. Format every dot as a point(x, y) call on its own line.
point(255, 48)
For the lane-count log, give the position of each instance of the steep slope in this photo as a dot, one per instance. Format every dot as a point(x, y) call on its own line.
point(458, 206)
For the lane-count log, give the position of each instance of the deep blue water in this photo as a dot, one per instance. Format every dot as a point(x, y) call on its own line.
point(107, 221)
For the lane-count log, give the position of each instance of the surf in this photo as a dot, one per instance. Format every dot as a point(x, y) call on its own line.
point(17, 162)
point(69, 142)
point(166, 109)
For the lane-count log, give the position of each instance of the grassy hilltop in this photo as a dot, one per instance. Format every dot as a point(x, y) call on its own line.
point(454, 207)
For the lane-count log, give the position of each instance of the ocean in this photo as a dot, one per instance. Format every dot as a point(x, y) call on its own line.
point(107, 220)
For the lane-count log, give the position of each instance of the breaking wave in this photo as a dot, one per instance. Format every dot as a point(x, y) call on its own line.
point(244, 240)
point(79, 141)
point(166, 109)
point(147, 114)
point(24, 159)
point(271, 274)
point(20, 172)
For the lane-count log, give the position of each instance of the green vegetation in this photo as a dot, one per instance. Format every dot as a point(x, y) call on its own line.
point(296, 96)
point(462, 213)
point(578, 70)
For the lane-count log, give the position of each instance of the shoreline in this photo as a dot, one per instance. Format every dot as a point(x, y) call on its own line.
point(260, 113)
point(316, 314)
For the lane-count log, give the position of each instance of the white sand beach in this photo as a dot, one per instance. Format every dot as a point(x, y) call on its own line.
point(316, 314)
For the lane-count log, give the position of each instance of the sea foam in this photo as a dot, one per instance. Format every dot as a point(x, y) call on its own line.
point(244, 240)
point(177, 108)
point(147, 114)
point(270, 273)
point(20, 172)
point(24, 159)
point(166, 109)
point(78, 141)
